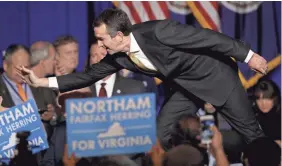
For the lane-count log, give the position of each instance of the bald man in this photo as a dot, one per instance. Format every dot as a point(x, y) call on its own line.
point(42, 58)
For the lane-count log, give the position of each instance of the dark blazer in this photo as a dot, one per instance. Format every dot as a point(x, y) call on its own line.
point(42, 96)
point(193, 59)
point(123, 86)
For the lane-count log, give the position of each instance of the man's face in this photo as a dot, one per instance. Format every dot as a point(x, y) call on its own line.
point(111, 44)
point(19, 58)
point(97, 54)
point(49, 63)
point(67, 56)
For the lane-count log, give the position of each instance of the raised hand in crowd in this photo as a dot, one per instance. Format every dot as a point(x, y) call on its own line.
point(216, 144)
point(216, 148)
point(69, 161)
point(48, 115)
point(157, 154)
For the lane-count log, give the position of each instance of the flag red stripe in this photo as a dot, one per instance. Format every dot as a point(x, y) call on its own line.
point(148, 9)
point(133, 12)
point(206, 16)
point(164, 8)
point(214, 4)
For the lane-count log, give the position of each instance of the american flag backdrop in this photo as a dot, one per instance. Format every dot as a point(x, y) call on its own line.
point(206, 12)
point(140, 11)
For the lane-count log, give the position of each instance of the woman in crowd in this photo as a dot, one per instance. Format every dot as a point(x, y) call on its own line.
point(268, 108)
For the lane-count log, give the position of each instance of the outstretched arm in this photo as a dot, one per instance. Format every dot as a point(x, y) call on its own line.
point(200, 40)
point(75, 80)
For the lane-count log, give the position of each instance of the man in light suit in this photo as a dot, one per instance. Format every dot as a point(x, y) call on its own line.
point(193, 63)
point(113, 84)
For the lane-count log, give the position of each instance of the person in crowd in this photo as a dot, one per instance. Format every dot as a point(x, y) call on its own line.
point(187, 130)
point(185, 152)
point(267, 106)
point(42, 58)
point(67, 49)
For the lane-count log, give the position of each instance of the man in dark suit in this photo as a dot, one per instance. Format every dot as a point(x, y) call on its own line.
point(14, 91)
point(193, 63)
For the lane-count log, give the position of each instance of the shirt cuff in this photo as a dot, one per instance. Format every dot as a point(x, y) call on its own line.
point(249, 56)
point(53, 83)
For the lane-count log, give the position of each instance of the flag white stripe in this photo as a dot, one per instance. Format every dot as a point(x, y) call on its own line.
point(125, 8)
point(158, 12)
point(211, 11)
point(141, 11)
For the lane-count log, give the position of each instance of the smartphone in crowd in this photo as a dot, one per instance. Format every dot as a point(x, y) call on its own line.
point(206, 134)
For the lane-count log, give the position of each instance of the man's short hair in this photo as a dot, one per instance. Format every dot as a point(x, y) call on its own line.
point(12, 49)
point(182, 131)
point(38, 54)
point(115, 20)
point(185, 155)
point(63, 40)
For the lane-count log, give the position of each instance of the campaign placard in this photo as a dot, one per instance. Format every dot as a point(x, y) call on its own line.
point(108, 126)
point(24, 117)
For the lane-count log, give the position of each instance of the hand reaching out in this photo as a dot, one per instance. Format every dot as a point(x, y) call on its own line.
point(216, 143)
point(28, 76)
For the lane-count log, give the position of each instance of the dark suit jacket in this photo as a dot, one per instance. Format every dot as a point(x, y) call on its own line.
point(123, 86)
point(42, 96)
point(194, 60)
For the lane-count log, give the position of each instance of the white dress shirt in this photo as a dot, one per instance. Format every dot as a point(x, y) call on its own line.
point(110, 82)
point(134, 47)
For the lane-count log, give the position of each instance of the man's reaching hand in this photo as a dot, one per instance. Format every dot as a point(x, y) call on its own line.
point(30, 78)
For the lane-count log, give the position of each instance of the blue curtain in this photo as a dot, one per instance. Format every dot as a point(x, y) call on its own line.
point(27, 22)
point(261, 29)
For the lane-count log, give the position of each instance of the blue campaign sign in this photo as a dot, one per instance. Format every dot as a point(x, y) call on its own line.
point(24, 117)
point(108, 126)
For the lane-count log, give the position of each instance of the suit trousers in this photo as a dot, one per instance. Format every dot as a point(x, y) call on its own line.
point(237, 111)
point(175, 105)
